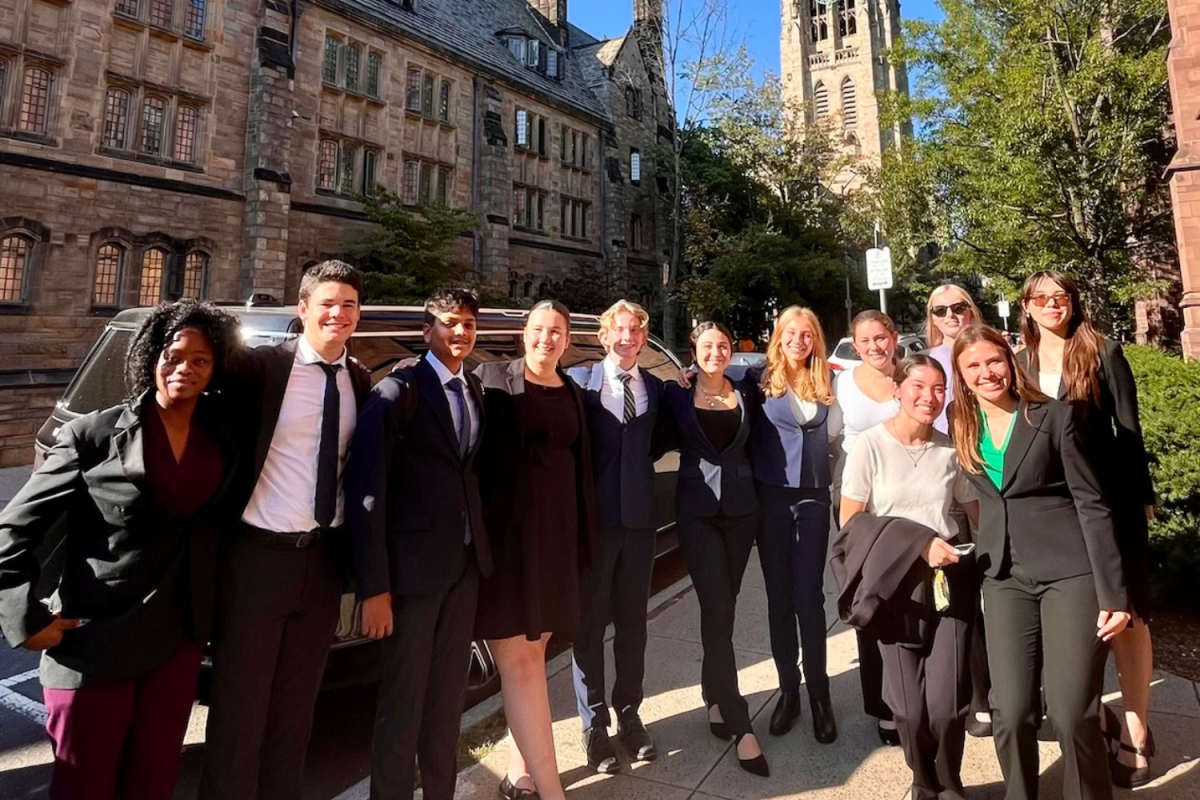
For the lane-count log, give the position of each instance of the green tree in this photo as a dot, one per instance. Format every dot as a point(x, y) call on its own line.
point(1042, 137)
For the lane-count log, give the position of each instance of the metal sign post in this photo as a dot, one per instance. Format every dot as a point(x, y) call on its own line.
point(879, 273)
point(1002, 308)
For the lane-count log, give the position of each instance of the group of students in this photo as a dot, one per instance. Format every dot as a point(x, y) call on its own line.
point(236, 492)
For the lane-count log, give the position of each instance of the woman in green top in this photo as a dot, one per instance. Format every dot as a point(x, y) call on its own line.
point(1053, 589)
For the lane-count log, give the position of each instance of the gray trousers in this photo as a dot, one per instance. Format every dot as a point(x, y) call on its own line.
point(277, 614)
point(425, 671)
point(1047, 632)
point(614, 589)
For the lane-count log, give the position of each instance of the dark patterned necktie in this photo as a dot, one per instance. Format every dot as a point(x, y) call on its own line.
point(325, 500)
point(630, 403)
point(455, 385)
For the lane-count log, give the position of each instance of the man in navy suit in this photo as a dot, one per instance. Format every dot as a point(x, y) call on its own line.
point(419, 546)
point(623, 405)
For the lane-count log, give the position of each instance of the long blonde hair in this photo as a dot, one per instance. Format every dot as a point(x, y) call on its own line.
point(933, 334)
point(966, 425)
point(813, 383)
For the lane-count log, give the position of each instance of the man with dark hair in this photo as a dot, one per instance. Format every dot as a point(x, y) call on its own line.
point(281, 591)
point(419, 547)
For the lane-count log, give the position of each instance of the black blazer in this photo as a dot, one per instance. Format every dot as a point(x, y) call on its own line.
point(1112, 431)
point(409, 492)
point(142, 576)
point(1050, 508)
point(503, 458)
point(710, 482)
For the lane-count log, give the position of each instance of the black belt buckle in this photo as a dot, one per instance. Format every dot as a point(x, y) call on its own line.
point(308, 538)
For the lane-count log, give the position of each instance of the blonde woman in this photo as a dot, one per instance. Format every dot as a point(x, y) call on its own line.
point(789, 450)
point(948, 312)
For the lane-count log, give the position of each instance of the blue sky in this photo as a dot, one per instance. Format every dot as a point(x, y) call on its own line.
point(758, 20)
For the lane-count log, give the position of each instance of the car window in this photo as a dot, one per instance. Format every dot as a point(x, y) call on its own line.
point(100, 382)
point(845, 350)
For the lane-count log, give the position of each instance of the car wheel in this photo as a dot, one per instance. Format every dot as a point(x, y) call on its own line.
point(483, 679)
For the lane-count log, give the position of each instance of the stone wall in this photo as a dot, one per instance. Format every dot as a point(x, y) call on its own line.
point(1183, 63)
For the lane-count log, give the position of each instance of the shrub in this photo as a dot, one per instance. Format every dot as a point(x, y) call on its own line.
point(1169, 406)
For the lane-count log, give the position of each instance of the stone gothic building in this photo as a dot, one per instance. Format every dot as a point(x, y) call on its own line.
point(832, 61)
point(156, 149)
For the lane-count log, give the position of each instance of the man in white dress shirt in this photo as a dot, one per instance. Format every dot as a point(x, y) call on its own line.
point(281, 589)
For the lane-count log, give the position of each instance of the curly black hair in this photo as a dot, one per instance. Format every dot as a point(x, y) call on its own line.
point(157, 331)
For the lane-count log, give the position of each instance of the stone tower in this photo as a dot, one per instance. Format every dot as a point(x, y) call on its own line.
point(832, 57)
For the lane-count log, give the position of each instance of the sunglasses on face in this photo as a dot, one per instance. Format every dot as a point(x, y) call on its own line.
point(957, 309)
point(1043, 300)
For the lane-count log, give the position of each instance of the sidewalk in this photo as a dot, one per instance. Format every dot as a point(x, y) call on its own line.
point(692, 765)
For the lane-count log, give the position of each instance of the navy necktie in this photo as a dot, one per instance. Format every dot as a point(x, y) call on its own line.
point(455, 385)
point(325, 500)
point(628, 399)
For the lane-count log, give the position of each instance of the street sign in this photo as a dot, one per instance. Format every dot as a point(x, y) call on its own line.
point(1002, 307)
point(879, 268)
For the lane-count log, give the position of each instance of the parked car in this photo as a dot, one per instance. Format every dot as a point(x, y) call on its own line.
point(747, 359)
point(844, 356)
point(386, 335)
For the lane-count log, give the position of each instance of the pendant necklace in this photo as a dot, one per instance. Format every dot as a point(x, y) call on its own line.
point(712, 397)
point(908, 450)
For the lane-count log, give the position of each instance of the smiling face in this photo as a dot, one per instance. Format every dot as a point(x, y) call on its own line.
point(986, 371)
point(875, 344)
point(546, 338)
point(330, 315)
point(712, 352)
point(955, 310)
point(184, 367)
point(1049, 305)
point(797, 341)
point(922, 394)
point(452, 336)
point(626, 337)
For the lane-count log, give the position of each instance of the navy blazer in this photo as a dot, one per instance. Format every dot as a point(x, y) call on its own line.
point(410, 494)
point(623, 455)
point(710, 483)
point(784, 452)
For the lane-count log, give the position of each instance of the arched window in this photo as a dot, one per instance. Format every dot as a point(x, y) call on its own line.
point(14, 268)
point(110, 266)
point(512, 289)
point(195, 275)
point(853, 144)
point(116, 118)
point(849, 104)
point(154, 111)
point(543, 288)
point(154, 263)
point(824, 30)
point(820, 100)
point(35, 100)
point(528, 288)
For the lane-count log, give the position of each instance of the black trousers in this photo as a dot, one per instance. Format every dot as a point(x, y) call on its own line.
point(717, 550)
point(425, 670)
point(1032, 625)
point(793, 539)
point(928, 690)
point(277, 614)
point(615, 589)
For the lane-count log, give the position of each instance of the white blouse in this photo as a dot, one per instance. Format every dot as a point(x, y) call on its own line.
point(859, 412)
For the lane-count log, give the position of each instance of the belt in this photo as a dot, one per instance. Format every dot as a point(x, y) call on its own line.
point(292, 540)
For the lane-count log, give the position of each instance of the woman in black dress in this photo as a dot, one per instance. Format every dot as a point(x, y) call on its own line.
point(716, 512)
point(539, 508)
point(1071, 361)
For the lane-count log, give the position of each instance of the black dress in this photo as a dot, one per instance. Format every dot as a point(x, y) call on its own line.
point(537, 507)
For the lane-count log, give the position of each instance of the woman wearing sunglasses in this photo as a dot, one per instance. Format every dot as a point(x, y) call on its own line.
point(1072, 362)
point(947, 313)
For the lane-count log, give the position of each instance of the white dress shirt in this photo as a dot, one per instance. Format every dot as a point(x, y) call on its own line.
point(612, 390)
point(283, 497)
point(445, 376)
point(804, 410)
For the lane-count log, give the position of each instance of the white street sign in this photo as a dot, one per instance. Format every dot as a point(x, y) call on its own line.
point(1002, 307)
point(879, 268)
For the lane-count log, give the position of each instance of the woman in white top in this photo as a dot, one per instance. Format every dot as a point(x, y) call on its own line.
point(947, 313)
point(867, 397)
point(905, 468)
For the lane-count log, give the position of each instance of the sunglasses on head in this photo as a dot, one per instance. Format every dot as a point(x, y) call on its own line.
point(1043, 300)
point(958, 309)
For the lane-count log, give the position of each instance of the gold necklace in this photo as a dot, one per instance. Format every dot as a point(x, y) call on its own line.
point(712, 397)
point(908, 449)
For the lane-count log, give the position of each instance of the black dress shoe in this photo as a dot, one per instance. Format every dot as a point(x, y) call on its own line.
point(755, 766)
point(510, 792)
point(1128, 777)
point(824, 724)
point(636, 738)
point(889, 736)
point(978, 728)
point(787, 711)
point(601, 756)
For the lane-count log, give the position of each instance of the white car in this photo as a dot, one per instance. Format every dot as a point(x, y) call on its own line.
point(844, 356)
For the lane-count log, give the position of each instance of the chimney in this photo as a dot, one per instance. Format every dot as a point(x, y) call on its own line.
point(648, 30)
point(555, 11)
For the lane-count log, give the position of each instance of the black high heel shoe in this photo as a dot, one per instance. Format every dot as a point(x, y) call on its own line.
point(755, 766)
point(1128, 777)
point(510, 792)
point(719, 729)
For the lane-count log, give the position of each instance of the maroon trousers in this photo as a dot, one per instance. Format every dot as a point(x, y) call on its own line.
point(123, 739)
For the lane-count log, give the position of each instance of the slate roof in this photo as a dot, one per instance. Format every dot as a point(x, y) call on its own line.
point(466, 30)
point(595, 58)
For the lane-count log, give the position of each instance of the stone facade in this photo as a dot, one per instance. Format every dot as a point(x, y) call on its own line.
point(1183, 63)
point(153, 149)
point(832, 62)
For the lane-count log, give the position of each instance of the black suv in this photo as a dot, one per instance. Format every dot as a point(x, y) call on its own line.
point(386, 335)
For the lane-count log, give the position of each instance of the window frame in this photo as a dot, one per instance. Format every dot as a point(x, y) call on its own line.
point(106, 139)
point(118, 282)
point(45, 109)
point(331, 60)
point(21, 285)
point(635, 166)
point(352, 57)
point(322, 162)
point(180, 128)
point(205, 268)
point(163, 271)
point(374, 73)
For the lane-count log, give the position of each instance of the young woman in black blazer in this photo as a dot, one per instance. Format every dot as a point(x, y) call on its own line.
point(1053, 588)
point(1072, 362)
point(716, 520)
point(141, 487)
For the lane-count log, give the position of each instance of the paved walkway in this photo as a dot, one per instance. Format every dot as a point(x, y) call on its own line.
point(693, 765)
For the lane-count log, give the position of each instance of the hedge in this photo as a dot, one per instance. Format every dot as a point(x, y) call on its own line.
point(1169, 406)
